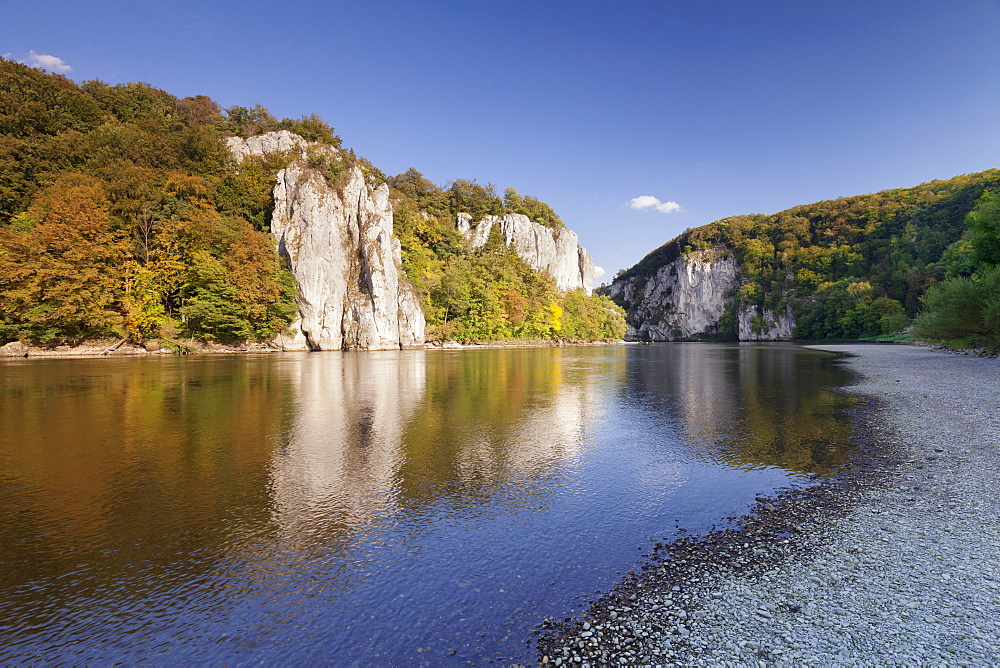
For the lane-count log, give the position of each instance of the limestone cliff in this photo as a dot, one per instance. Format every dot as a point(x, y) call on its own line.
point(689, 296)
point(272, 142)
point(764, 325)
point(339, 245)
point(555, 251)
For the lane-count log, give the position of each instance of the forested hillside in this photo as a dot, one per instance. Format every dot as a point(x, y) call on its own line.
point(964, 309)
point(490, 293)
point(123, 214)
point(850, 267)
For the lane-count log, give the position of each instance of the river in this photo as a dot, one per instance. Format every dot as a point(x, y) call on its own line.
point(395, 507)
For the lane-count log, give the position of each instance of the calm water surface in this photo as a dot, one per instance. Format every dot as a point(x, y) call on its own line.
point(384, 507)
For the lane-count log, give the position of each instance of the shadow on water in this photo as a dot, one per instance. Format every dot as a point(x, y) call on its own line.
point(391, 507)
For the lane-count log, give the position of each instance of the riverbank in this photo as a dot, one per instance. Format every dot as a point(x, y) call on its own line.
point(123, 349)
point(893, 563)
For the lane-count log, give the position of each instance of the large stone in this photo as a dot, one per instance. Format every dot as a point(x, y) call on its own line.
point(339, 245)
point(555, 251)
point(14, 348)
point(688, 297)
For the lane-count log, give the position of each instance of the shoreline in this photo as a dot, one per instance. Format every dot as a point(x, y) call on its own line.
point(892, 561)
point(110, 349)
point(16, 349)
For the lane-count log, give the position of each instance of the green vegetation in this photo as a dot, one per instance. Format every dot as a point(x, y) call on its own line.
point(964, 309)
point(122, 214)
point(851, 267)
point(490, 293)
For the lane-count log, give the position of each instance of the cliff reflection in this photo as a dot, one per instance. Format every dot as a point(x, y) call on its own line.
point(380, 432)
point(342, 452)
point(748, 405)
point(499, 416)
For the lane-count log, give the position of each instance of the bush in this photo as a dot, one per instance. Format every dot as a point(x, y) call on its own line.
point(963, 310)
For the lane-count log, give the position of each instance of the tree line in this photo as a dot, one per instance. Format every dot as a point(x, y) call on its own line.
point(122, 214)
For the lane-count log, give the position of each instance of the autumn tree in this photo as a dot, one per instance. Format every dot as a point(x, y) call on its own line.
point(60, 265)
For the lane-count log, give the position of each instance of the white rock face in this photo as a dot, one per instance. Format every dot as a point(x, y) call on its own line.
point(339, 245)
point(688, 297)
point(682, 299)
point(554, 251)
point(770, 327)
point(272, 142)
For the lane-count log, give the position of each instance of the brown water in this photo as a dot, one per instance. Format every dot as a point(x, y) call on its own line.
point(359, 508)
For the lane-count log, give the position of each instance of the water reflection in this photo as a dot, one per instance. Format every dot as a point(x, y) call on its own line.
point(120, 480)
point(371, 507)
point(748, 405)
point(344, 445)
point(491, 418)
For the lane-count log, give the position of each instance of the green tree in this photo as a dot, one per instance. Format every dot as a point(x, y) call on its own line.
point(312, 128)
point(985, 223)
point(244, 122)
point(475, 199)
point(964, 310)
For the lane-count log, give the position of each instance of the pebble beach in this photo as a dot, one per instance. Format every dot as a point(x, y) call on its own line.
point(895, 562)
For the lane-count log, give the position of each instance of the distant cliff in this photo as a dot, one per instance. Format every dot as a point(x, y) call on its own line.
point(553, 250)
point(846, 268)
point(692, 297)
point(339, 245)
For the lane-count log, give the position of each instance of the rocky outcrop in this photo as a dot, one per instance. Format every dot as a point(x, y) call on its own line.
point(683, 299)
point(339, 245)
point(758, 324)
point(687, 298)
point(555, 251)
point(282, 141)
point(14, 349)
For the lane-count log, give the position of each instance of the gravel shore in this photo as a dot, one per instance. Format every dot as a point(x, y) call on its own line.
point(897, 562)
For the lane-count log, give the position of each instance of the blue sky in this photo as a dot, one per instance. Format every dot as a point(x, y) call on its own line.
point(722, 108)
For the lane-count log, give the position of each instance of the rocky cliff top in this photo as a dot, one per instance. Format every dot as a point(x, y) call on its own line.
point(265, 144)
point(555, 251)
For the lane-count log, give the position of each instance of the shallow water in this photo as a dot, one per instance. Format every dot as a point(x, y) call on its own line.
point(381, 507)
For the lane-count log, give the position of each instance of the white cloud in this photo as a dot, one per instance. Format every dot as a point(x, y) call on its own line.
point(648, 201)
point(598, 272)
point(44, 61)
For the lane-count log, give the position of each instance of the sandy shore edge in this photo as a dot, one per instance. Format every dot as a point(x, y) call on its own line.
point(896, 562)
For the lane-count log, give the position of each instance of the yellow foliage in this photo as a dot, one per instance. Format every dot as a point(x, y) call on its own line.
point(142, 302)
point(556, 322)
point(859, 290)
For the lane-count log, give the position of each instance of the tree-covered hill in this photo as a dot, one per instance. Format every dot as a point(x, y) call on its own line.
point(490, 293)
point(123, 214)
point(849, 267)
